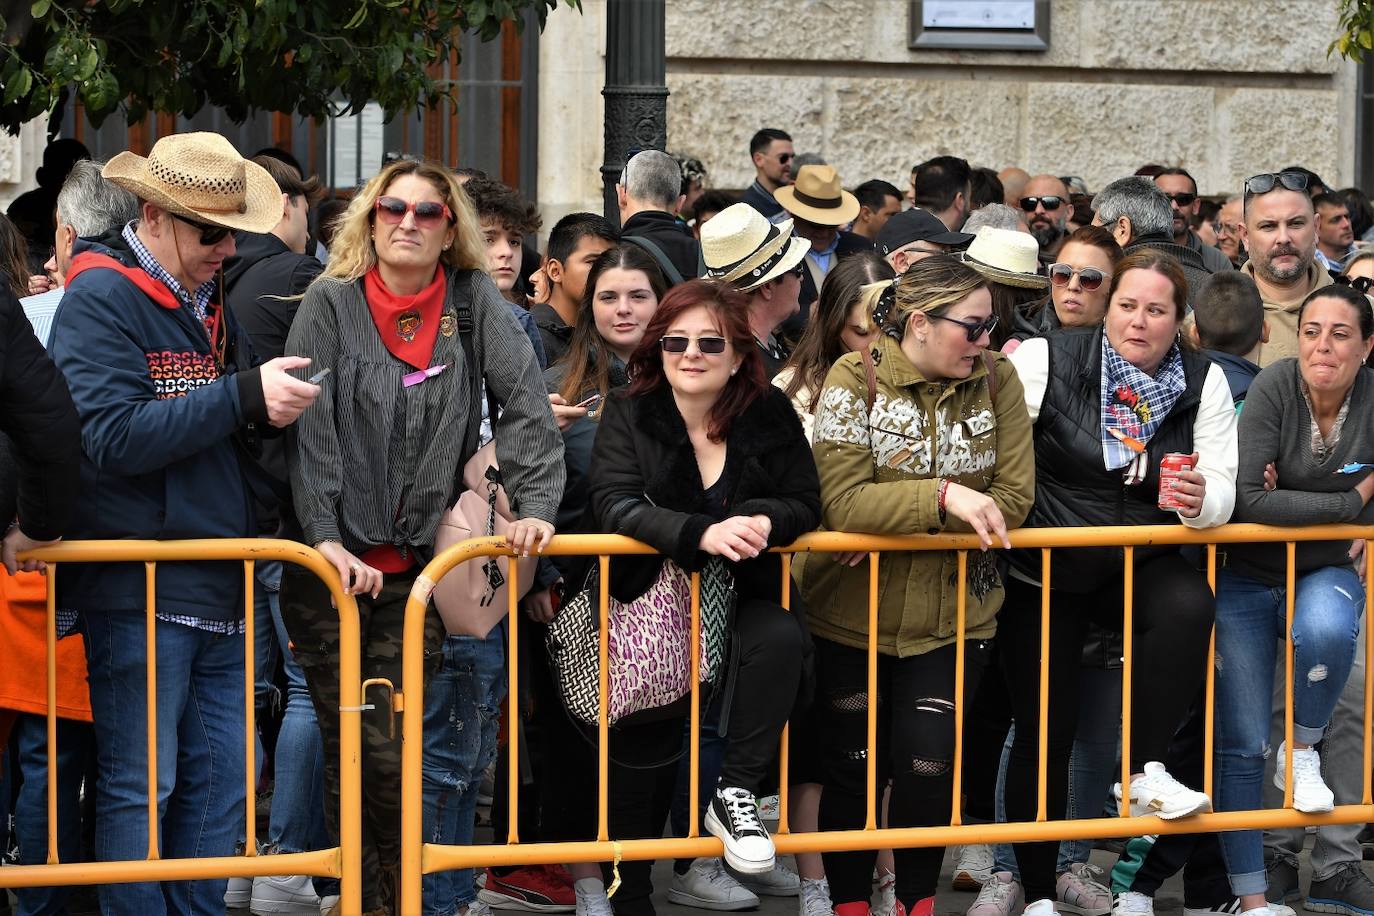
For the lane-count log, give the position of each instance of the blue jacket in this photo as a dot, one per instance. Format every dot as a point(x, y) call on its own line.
point(1240, 372)
point(165, 424)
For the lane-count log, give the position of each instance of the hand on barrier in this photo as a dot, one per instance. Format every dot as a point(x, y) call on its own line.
point(16, 542)
point(286, 395)
point(529, 533)
point(358, 578)
point(851, 558)
point(979, 511)
point(736, 538)
point(1191, 488)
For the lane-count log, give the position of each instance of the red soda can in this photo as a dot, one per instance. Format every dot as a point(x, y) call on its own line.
point(1170, 467)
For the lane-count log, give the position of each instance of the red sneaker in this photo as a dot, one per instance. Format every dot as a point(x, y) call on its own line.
point(531, 889)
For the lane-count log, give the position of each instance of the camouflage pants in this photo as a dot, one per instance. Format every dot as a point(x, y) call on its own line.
point(313, 625)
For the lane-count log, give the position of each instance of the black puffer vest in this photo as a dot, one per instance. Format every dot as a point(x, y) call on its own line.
point(1072, 486)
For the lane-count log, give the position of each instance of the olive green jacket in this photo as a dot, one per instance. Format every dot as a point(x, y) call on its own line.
point(880, 473)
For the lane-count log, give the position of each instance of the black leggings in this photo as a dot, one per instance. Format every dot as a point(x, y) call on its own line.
point(915, 749)
point(1173, 614)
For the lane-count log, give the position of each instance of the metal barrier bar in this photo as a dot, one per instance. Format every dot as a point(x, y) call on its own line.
point(1290, 576)
point(250, 714)
point(1209, 701)
point(603, 765)
point(1043, 752)
point(513, 722)
point(1127, 645)
point(956, 814)
point(784, 752)
point(423, 859)
point(1368, 558)
point(343, 861)
point(694, 745)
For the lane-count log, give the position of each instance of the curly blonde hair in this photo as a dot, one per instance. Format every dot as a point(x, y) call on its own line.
point(351, 252)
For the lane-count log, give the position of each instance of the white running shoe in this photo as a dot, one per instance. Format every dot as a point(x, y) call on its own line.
point(973, 867)
point(238, 893)
point(1040, 908)
point(1160, 794)
point(1310, 793)
point(706, 885)
point(814, 898)
point(733, 818)
point(1232, 908)
point(1000, 895)
point(1133, 903)
point(595, 903)
point(1079, 891)
point(887, 894)
point(780, 881)
point(291, 894)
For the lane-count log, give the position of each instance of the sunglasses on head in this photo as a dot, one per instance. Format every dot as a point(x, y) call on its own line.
point(1090, 278)
point(1183, 199)
point(972, 329)
point(1358, 284)
point(675, 343)
point(1049, 202)
point(209, 235)
point(1263, 184)
point(428, 213)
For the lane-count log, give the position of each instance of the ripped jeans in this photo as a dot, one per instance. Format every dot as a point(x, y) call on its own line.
point(1250, 623)
point(915, 749)
point(462, 706)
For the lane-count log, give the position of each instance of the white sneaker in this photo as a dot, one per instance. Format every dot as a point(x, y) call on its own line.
point(476, 907)
point(973, 867)
point(284, 894)
point(1000, 895)
point(1040, 908)
point(1079, 892)
point(327, 904)
point(1160, 794)
point(593, 903)
point(238, 894)
point(781, 881)
point(887, 894)
point(706, 885)
point(814, 898)
point(1232, 908)
point(1310, 793)
point(1133, 903)
point(733, 818)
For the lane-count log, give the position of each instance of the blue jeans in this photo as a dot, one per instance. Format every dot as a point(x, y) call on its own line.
point(1250, 620)
point(200, 755)
point(30, 738)
point(297, 821)
point(462, 708)
point(1091, 765)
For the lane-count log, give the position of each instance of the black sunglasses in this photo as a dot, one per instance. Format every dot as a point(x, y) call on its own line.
point(209, 235)
point(1090, 278)
point(1049, 201)
point(678, 344)
point(1263, 184)
point(1183, 199)
point(1358, 284)
point(972, 329)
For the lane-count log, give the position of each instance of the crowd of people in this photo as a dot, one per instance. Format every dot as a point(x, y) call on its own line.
point(213, 351)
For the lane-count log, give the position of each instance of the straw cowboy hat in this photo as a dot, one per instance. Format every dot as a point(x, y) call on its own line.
point(1006, 256)
point(818, 198)
point(201, 176)
point(740, 246)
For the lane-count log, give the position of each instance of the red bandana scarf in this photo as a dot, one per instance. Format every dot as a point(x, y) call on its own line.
point(409, 325)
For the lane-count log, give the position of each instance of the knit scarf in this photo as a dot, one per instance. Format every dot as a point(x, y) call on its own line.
point(1135, 404)
point(409, 325)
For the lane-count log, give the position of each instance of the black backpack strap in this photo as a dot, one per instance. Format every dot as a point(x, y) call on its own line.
point(670, 271)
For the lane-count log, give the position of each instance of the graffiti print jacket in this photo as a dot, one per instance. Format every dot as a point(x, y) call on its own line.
point(162, 399)
point(880, 465)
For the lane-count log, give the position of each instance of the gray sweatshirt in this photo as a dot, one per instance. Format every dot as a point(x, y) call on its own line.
point(1275, 426)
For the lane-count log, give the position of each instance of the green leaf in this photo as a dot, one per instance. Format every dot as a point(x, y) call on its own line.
point(18, 87)
point(39, 8)
point(358, 17)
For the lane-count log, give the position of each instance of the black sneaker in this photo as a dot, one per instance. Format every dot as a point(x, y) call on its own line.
point(1349, 890)
point(733, 817)
point(1283, 880)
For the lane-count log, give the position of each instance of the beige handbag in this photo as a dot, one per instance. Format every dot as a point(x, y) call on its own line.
point(474, 597)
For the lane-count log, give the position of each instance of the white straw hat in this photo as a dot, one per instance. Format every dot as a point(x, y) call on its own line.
point(1006, 256)
point(201, 176)
point(740, 246)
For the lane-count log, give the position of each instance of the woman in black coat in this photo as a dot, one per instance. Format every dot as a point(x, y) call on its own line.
point(702, 457)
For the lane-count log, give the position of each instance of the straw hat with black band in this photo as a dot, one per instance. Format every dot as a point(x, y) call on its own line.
point(740, 246)
point(200, 176)
point(1006, 256)
point(818, 198)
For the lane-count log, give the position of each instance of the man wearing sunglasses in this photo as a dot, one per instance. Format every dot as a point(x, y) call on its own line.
point(1281, 234)
point(772, 153)
point(1181, 189)
point(1045, 201)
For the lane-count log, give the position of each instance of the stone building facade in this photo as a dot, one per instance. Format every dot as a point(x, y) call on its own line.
point(1225, 88)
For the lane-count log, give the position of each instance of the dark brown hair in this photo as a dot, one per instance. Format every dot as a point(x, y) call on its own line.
point(1160, 263)
point(588, 360)
point(730, 308)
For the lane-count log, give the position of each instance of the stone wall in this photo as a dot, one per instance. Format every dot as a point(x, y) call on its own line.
point(1124, 82)
point(20, 157)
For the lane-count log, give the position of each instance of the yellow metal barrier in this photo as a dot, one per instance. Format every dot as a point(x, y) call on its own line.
point(343, 861)
point(419, 858)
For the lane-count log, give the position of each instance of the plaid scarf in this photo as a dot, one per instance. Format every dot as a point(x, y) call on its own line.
point(1135, 404)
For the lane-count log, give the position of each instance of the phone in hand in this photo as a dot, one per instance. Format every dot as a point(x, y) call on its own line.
point(319, 376)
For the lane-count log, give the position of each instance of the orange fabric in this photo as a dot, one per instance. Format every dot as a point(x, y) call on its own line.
point(23, 646)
